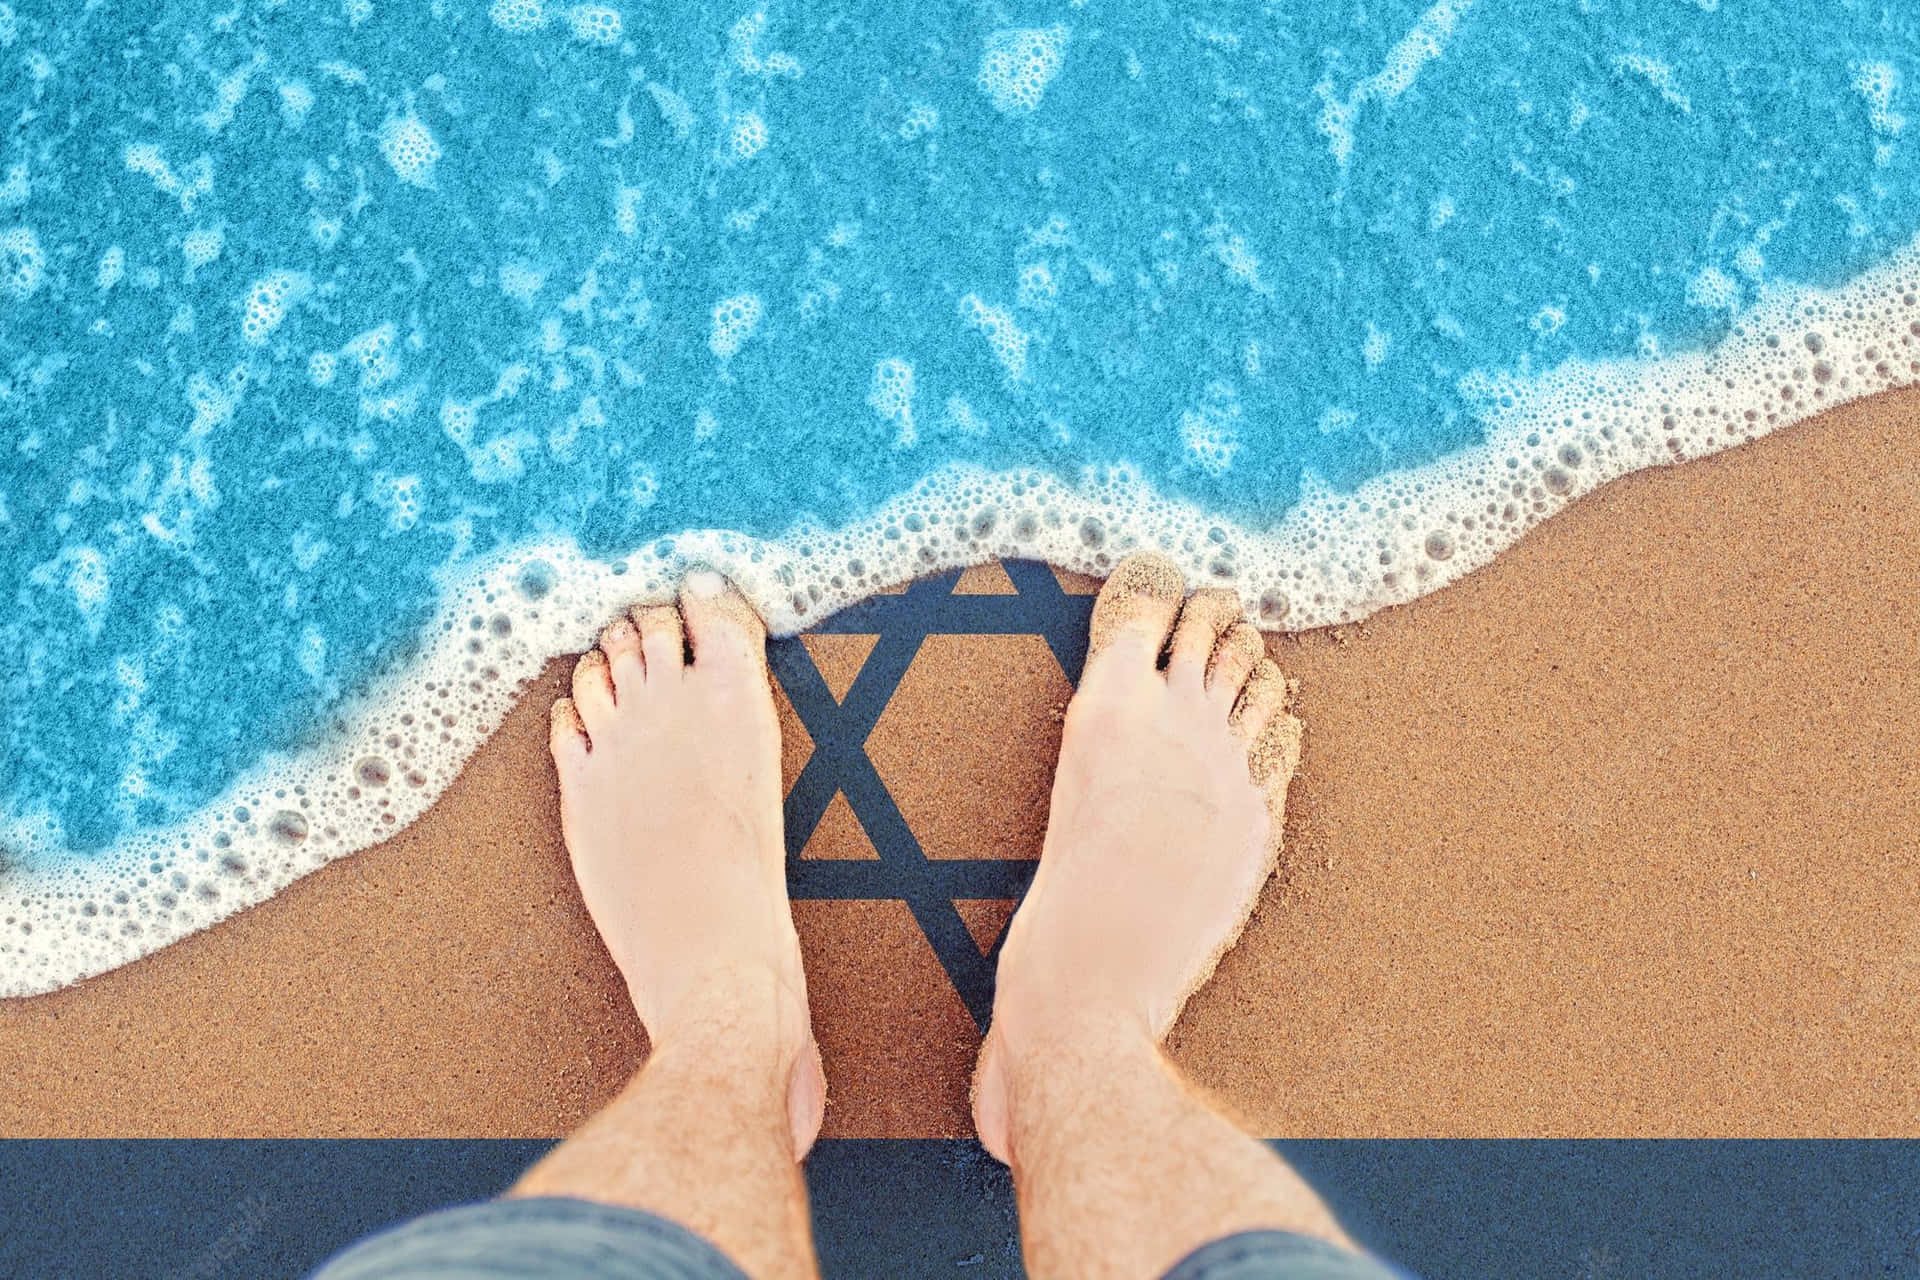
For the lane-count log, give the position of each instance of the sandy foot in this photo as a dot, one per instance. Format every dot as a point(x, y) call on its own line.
point(669, 760)
point(1165, 823)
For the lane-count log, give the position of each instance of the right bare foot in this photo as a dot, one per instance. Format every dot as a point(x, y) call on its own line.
point(669, 771)
point(1165, 824)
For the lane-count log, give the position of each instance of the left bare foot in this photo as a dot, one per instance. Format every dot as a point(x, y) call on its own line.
point(669, 771)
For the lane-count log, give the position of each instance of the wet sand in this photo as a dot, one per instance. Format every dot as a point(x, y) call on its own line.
point(1618, 836)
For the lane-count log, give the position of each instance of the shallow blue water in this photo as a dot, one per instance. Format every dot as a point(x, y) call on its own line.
point(303, 303)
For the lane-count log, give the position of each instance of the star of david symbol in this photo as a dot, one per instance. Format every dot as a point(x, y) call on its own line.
point(840, 765)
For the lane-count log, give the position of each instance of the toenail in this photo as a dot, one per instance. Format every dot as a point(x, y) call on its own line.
point(705, 582)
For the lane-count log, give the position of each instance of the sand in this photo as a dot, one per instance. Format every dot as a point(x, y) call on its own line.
point(1619, 836)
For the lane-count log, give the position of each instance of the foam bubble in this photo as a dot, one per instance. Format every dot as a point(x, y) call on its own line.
point(961, 417)
point(1713, 289)
point(501, 459)
point(1210, 432)
point(1425, 41)
point(202, 246)
point(22, 262)
point(113, 265)
point(296, 100)
point(267, 303)
point(643, 485)
point(373, 351)
point(734, 321)
point(921, 118)
point(1656, 73)
point(399, 496)
point(1038, 289)
point(518, 16)
point(741, 38)
point(1231, 250)
point(1376, 346)
point(89, 583)
point(1005, 337)
point(1876, 82)
point(594, 24)
point(521, 281)
point(742, 43)
point(324, 231)
point(229, 92)
point(458, 419)
point(410, 149)
point(1018, 64)
point(892, 397)
point(746, 136)
point(673, 109)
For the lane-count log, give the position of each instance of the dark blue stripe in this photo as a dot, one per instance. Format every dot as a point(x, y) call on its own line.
point(1469, 1209)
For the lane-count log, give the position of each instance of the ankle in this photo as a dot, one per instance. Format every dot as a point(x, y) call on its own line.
point(1030, 1077)
point(746, 1014)
point(1063, 1040)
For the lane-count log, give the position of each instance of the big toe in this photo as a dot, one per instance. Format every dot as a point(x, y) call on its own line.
point(722, 628)
point(1135, 611)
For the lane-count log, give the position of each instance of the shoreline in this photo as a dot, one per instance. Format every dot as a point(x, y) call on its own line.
point(1613, 836)
point(1552, 440)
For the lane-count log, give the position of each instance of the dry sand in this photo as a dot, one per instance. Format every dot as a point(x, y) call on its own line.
point(1620, 836)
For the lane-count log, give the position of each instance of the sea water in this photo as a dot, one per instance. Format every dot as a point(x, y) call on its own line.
point(356, 356)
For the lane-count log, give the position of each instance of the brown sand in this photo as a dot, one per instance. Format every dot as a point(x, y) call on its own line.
point(1618, 836)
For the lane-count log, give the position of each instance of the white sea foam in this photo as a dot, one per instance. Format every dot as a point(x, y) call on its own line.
point(734, 321)
point(411, 149)
point(746, 136)
point(1333, 557)
point(1017, 66)
point(1425, 41)
point(22, 262)
point(594, 24)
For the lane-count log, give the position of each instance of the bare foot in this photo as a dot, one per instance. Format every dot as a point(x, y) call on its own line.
point(1165, 823)
point(669, 761)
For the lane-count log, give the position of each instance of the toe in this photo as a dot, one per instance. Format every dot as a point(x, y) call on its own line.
point(1234, 659)
point(722, 627)
point(593, 692)
point(566, 734)
point(1134, 611)
point(663, 642)
point(1271, 761)
point(1204, 619)
point(621, 643)
point(1273, 738)
point(1262, 698)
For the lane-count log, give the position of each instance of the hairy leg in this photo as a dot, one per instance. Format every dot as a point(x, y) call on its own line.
point(668, 757)
point(1165, 824)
